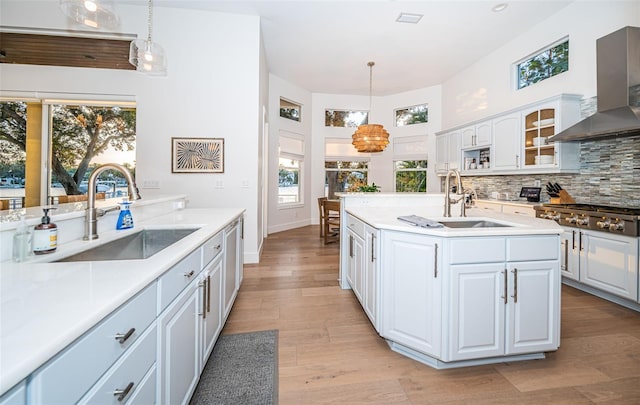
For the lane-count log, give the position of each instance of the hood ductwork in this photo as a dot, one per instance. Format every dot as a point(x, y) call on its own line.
point(618, 75)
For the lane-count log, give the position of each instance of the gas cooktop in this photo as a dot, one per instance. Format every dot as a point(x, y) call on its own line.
point(595, 208)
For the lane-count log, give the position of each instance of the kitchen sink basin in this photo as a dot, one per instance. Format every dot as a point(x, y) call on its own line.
point(472, 224)
point(139, 245)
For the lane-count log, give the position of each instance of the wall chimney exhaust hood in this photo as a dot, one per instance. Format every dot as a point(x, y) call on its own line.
point(618, 75)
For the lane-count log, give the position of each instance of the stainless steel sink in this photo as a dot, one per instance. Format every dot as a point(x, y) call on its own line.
point(139, 245)
point(472, 224)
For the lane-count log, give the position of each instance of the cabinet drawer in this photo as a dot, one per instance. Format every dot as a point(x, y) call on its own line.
point(525, 211)
point(211, 249)
point(71, 373)
point(477, 250)
point(529, 248)
point(127, 374)
point(489, 206)
point(171, 283)
point(146, 392)
point(355, 225)
point(16, 395)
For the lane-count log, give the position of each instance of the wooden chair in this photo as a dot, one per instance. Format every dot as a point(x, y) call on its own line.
point(4, 204)
point(331, 211)
point(321, 200)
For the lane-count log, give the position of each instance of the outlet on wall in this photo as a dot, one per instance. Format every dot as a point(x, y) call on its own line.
point(536, 183)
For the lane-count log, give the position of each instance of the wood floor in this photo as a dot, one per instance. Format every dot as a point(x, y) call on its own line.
point(330, 354)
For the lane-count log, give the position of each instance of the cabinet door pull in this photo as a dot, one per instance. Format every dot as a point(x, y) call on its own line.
point(121, 394)
point(203, 284)
point(573, 240)
point(121, 338)
point(350, 245)
point(209, 293)
point(189, 274)
point(217, 247)
point(435, 262)
point(515, 286)
point(580, 242)
point(565, 265)
point(505, 296)
point(373, 244)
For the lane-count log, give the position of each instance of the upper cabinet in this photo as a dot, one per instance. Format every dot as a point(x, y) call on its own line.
point(447, 151)
point(516, 141)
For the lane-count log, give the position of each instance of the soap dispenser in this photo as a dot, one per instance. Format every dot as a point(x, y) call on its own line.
point(125, 220)
point(22, 241)
point(45, 235)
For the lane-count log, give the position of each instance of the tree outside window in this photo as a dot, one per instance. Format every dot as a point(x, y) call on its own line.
point(410, 176)
point(344, 176)
point(288, 180)
point(417, 114)
point(548, 63)
point(344, 118)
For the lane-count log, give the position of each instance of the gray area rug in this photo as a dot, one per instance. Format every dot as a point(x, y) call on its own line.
point(242, 370)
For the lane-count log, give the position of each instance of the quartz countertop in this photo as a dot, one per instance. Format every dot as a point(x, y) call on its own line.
point(46, 306)
point(387, 218)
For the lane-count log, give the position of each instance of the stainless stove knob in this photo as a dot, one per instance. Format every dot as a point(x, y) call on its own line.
point(605, 223)
point(582, 221)
point(572, 219)
point(617, 226)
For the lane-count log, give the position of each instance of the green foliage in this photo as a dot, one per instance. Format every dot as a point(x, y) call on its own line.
point(369, 188)
point(546, 64)
point(290, 113)
point(412, 115)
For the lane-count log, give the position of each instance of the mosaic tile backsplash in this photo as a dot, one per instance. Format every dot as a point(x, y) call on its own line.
point(609, 175)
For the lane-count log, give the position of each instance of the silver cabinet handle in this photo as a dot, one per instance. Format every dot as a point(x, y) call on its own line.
point(203, 284)
point(121, 338)
point(565, 265)
point(217, 247)
point(435, 262)
point(209, 293)
point(189, 274)
point(506, 294)
point(573, 240)
point(580, 242)
point(373, 244)
point(515, 286)
point(121, 394)
point(350, 245)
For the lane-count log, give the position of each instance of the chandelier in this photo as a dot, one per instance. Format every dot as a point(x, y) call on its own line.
point(96, 14)
point(370, 137)
point(146, 55)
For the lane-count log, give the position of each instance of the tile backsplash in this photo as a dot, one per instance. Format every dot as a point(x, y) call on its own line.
point(609, 175)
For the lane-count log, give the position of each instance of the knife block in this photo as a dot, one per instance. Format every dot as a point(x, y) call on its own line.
point(563, 198)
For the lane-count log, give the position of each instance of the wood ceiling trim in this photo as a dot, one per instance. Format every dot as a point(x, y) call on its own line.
point(52, 50)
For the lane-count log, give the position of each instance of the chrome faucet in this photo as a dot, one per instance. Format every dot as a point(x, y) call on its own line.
point(91, 217)
point(447, 195)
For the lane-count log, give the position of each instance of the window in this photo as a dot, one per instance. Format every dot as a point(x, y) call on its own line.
point(344, 176)
point(410, 176)
point(417, 114)
point(344, 118)
point(79, 136)
point(290, 110)
point(290, 166)
point(550, 62)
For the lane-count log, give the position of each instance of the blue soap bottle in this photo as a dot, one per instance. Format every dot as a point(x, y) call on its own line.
point(125, 220)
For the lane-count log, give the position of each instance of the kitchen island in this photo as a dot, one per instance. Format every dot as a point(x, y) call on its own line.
point(452, 296)
point(79, 331)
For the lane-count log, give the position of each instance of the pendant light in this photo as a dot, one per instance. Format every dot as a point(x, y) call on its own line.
point(370, 137)
point(96, 14)
point(146, 55)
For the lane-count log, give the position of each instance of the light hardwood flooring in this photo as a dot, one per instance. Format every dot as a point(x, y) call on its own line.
point(330, 354)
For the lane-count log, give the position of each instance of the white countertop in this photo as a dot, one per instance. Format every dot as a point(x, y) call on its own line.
point(46, 306)
point(387, 218)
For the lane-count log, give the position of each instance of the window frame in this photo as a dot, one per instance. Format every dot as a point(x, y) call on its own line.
point(532, 56)
point(363, 122)
point(338, 169)
point(294, 103)
point(292, 154)
point(395, 115)
point(417, 169)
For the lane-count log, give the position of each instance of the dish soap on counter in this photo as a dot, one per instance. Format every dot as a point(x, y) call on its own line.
point(125, 220)
point(22, 241)
point(45, 235)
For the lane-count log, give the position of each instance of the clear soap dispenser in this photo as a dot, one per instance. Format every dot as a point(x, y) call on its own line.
point(22, 241)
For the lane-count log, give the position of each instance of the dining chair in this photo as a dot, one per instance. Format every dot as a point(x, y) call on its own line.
point(331, 221)
point(321, 200)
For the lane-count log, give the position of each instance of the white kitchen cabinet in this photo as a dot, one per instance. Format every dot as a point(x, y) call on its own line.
point(371, 274)
point(411, 291)
point(505, 151)
point(356, 258)
point(232, 265)
point(477, 135)
point(570, 254)
point(447, 151)
point(211, 307)
point(16, 395)
point(608, 262)
point(178, 358)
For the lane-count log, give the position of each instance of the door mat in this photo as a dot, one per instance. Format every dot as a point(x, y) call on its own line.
point(242, 370)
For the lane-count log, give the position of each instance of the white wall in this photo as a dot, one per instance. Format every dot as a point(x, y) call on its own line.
point(283, 218)
point(212, 90)
point(487, 87)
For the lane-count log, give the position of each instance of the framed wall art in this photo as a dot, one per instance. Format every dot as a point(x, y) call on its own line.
point(197, 155)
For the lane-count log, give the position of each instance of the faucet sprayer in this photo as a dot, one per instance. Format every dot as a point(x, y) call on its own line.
point(91, 216)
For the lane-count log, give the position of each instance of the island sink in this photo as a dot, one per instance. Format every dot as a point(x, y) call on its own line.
point(139, 245)
point(473, 224)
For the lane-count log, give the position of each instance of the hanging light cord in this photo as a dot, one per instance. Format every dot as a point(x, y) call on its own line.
point(370, 64)
point(149, 22)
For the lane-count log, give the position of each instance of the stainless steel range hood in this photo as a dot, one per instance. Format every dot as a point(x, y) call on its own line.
point(618, 75)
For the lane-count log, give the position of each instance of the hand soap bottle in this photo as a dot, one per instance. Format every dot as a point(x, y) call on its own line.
point(45, 235)
point(125, 220)
point(22, 242)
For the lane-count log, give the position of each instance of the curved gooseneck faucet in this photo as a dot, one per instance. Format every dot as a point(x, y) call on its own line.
point(91, 216)
point(447, 194)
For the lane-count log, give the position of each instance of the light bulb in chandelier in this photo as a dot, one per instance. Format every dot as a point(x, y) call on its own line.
point(90, 5)
point(97, 14)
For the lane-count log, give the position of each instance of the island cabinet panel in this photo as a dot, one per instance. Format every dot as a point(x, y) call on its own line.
point(371, 275)
point(411, 291)
point(355, 269)
point(477, 311)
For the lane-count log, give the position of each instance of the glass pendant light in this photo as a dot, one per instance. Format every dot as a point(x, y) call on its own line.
point(96, 14)
point(147, 56)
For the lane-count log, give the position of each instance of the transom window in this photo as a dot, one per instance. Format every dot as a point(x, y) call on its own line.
point(290, 110)
point(417, 114)
point(345, 118)
point(543, 65)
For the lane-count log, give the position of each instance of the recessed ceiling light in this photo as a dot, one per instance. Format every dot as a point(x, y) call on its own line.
point(499, 7)
point(409, 18)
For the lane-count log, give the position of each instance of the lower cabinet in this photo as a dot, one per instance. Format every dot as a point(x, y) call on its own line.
point(16, 395)
point(569, 257)
point(232, 265)
point(211, 308)
point(411, 286)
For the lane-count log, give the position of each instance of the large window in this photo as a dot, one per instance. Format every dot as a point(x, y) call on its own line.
point(344, 176)
point(290, 168)
point(78, 137)
point(345, 118)
point(410, 176)
point(543, 65)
